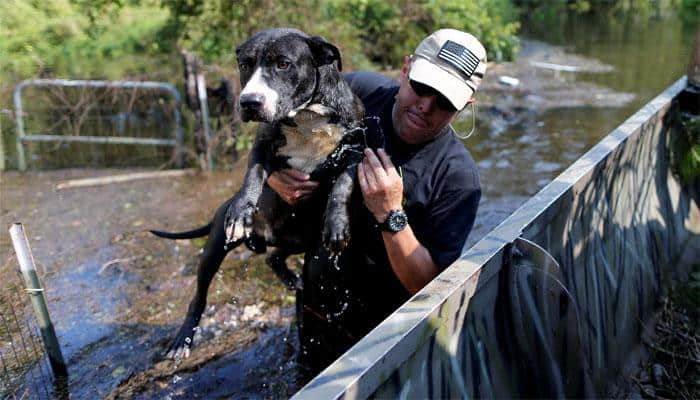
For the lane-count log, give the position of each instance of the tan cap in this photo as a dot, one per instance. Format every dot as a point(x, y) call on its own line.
point(452, 62)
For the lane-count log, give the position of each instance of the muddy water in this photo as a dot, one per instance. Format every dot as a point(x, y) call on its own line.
point(117, 294)
point(527, 134)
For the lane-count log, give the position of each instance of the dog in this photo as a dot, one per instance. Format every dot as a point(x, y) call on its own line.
point(311, 121)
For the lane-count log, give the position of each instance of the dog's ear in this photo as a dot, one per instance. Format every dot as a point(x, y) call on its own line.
point(323, 52)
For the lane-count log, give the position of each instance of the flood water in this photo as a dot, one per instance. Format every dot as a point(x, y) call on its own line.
point(119, 294)
point(527, 141)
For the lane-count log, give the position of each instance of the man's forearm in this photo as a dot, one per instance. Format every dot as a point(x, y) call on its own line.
point(409, 259)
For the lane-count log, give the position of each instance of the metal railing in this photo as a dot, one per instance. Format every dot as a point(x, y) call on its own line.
point(553, 301)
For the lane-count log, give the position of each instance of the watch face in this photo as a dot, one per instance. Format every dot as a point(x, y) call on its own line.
point(397, 221)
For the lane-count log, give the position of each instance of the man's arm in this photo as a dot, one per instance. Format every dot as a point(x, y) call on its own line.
point(382, 190)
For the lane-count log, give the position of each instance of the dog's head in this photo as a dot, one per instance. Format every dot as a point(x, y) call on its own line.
point(279, 72)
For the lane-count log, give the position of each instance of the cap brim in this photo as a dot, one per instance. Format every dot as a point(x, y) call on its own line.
point(456, 90)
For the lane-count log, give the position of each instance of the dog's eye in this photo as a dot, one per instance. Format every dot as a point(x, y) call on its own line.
point(243, 67)
point(282, 64)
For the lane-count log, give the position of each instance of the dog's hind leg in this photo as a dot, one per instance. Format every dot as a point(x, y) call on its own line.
point(277, 261)
point(209, 263)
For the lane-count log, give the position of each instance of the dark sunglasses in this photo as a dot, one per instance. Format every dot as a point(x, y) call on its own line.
point(425, 90)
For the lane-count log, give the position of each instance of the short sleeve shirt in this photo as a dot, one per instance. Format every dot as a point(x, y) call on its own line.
point(441, 196)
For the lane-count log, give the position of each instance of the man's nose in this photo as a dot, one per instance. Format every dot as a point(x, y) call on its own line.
point(426, 103)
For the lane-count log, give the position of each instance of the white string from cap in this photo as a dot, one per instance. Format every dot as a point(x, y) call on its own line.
point(473, 123)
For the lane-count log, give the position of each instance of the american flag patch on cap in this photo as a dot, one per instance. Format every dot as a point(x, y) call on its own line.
point(459, 57)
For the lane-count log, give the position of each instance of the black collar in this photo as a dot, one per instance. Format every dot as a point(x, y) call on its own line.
point(290, 121)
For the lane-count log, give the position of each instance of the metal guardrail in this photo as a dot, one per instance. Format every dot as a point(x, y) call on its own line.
point(22, 137)
point(507, 321)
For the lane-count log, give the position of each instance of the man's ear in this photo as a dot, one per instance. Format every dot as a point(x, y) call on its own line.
point(323, 52)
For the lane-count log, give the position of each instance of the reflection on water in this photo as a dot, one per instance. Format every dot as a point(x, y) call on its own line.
point(516, 161)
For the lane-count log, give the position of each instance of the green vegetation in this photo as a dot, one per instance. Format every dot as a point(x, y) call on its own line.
point(560, 16)
point(120, 38)
point(66, 39)
point(685, 150)
point(140, 39)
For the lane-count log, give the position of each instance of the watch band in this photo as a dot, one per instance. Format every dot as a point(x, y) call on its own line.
point(395, 221)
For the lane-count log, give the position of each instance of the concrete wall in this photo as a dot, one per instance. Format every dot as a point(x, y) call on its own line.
point(553, 301)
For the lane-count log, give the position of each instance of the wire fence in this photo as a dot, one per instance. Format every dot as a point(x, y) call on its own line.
point(25, 372)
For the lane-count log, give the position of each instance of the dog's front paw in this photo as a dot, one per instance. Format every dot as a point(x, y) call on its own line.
point(336, 235)
point(239, 221)
point(181, 346)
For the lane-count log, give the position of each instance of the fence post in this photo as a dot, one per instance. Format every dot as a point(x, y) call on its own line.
point(36, 293)
point(17, 96)
point(202, 92)
point(2, 147)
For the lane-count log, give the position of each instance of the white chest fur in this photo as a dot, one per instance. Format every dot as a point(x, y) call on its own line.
point(310, 142)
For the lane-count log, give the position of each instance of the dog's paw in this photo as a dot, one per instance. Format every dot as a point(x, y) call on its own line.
point(336, 235)
point(239, 222)
point(181, 346)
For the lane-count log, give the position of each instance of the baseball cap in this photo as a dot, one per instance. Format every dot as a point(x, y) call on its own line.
point(452, 62)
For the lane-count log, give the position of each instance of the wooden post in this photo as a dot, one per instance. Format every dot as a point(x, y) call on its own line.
point(48, 334)
point(202, 93)
point(2, 148)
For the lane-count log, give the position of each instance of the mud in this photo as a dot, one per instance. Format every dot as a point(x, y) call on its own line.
point(117, 294)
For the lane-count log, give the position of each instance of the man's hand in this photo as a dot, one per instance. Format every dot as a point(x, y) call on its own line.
point(382, 187)
point(292, 185)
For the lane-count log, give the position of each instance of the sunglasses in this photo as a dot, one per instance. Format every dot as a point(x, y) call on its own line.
point(425, 90)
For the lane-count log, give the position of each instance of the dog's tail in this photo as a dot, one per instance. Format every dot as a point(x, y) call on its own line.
point(194, 233)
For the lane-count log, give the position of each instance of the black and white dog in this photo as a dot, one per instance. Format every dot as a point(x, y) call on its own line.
point(310, 121)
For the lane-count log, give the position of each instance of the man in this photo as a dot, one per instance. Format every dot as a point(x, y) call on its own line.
point(416, 202)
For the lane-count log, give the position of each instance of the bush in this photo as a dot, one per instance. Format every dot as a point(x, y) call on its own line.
point(63, 38)
point(392, 29)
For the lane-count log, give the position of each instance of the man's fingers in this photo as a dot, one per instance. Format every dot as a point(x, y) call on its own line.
point(296, 174)
point(376, 165)
point(297, 180)
point(386, 162)
point(306, 186)
point(370, 176)
point(361, 178)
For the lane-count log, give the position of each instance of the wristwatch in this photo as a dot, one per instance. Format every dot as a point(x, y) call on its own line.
point(395, 221)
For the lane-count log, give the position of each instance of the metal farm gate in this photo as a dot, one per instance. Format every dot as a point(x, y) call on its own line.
point(68, 122)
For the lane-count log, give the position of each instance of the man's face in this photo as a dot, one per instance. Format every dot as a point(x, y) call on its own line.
point(418, 119)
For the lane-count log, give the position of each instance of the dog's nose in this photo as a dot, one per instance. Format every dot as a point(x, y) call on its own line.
point(252, 101)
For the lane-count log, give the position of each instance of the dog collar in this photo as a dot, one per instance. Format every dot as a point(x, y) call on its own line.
point(289, 119)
